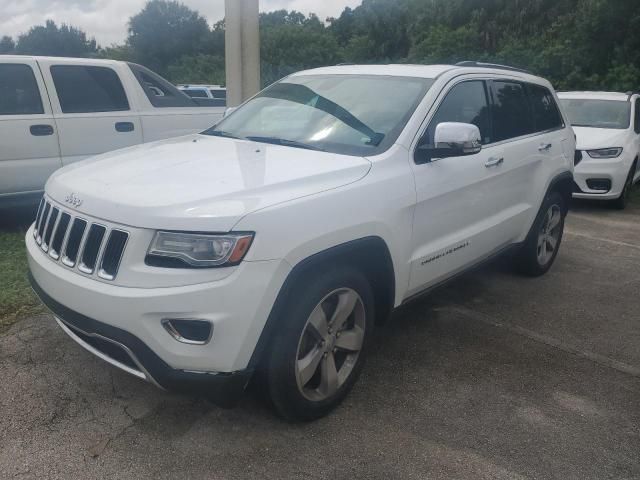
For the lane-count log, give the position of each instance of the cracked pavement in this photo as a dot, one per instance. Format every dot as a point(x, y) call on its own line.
point(493, 376)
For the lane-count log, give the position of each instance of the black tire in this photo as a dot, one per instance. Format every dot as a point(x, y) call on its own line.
point(528, 259)
point(621, 202)
point(282, 362)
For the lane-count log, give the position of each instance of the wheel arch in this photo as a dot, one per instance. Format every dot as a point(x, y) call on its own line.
point(563, 184)
point(371, 255)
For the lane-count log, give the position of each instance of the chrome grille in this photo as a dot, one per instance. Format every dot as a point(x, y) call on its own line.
point(88, 246)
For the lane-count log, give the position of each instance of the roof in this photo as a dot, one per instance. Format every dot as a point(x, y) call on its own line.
point(408, 70)
point(66, 59)
point(618, 96)
point(423, 71)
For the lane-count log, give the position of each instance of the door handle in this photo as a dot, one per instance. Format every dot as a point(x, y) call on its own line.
point(544, 147)
point(124, 127)
point(41, 130)
point(494, 162)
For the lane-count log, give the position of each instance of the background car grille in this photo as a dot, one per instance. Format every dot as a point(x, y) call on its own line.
point(77, 243)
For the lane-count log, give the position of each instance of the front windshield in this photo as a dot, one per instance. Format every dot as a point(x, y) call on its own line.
point(598, 113)
point(347, 114)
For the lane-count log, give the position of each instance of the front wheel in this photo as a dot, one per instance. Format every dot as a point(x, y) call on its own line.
point(620, 203)
point(317, 356)
point(541, 246)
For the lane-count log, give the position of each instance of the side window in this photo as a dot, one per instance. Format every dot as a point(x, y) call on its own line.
point(88, 89)
point(160, 92)
point(546, 115)
point(637, 116)
point(19, 94)
point(466, 103)
point(510, 114)
point(193, 93)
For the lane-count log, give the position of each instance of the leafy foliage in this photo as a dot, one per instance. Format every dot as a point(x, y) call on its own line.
point(51, 40)
point(578, 44)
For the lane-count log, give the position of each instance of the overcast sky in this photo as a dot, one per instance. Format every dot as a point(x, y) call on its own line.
point(107, 19)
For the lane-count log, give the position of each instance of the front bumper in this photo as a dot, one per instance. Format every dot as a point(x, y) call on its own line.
point(613, 169)
point(224, 389)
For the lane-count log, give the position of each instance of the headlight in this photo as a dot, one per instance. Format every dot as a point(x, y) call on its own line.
point(605, 153)
point(184, 250)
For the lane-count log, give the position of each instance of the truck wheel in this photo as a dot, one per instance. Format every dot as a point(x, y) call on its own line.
point(318, 352)
point(541, 246)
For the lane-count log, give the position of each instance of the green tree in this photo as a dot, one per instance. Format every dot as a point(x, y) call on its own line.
point(165, 31)
point(200, 68)
point(51, 40)
point(7, 45)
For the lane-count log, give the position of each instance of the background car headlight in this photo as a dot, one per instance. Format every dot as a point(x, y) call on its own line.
point(605, 153)
point(184, 250)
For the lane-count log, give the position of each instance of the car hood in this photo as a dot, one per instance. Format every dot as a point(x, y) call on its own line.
point(197, 182)
point(588, 138)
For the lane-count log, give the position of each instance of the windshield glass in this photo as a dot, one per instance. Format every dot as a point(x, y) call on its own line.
point(347, 114)
point(598, 113)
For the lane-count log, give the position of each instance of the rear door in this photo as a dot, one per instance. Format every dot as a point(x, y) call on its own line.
point(524, 118)
point(29, 150)
point(93, 112)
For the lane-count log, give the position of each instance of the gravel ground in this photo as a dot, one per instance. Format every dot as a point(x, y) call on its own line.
point(493, 376)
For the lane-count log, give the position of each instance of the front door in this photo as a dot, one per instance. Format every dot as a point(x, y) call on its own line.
point(458, 216)
point(29, 150)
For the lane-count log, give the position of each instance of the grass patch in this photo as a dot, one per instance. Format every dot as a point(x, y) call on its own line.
point(16, 298)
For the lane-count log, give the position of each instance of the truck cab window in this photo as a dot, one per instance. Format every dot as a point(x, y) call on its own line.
point(88, 89)
point(19, 94)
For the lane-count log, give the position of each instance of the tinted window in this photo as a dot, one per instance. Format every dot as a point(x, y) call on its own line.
point(545, 111)
point(637, 120)
point(19, 94)
point(219, 94)
point(160, 92)
point(465, 103)
point(511, 115)
point(86, 89)
point(196, 93)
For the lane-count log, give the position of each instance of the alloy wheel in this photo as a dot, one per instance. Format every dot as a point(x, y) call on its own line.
point(330, 344)
point(549, 235)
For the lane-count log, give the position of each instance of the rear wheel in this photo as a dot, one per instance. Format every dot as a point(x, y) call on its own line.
point(540, 249)
point(317, 356)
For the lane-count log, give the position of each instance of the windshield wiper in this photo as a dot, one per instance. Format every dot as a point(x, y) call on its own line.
point(284, 142)
point(220, 133)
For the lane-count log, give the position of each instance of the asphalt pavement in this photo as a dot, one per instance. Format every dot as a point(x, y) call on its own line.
point(494, 376)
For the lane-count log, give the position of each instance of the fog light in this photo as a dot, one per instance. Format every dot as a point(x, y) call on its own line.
point(190, 331)
point(601, 184)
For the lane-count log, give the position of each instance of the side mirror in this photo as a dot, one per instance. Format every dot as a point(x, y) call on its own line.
point(452, 139)
point(229, 111)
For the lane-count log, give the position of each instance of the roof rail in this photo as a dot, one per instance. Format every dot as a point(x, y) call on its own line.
point(469, 63)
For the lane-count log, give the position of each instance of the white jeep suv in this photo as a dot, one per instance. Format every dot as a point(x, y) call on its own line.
point(607, 126)
point(274, 242)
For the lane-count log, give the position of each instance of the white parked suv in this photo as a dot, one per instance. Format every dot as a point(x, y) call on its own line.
point(607, 126)
point(273, 243)
point(55, 111)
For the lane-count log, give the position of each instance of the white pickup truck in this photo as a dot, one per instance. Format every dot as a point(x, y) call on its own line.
point(56, 111)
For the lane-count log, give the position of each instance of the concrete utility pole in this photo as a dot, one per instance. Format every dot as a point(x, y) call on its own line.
point(242, 50)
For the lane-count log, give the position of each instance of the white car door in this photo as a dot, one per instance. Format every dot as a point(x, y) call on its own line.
point(29, 150)
point(459, 212)
point(93, 112)
point(527, 123)
point(636, 138)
